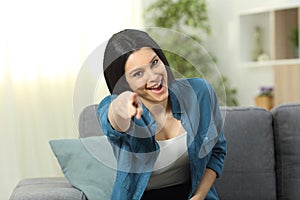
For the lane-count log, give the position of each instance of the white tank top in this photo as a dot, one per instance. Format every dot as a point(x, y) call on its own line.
point(172, 165)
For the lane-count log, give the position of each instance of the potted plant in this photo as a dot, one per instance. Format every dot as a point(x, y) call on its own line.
point(294, 38)
point(190, 17)
point(264, 98)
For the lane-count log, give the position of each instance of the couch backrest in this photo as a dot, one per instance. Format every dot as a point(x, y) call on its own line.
point(249, 169)
point(287, 135)
point(88, 124)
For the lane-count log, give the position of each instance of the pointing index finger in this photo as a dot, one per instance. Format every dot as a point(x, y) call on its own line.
point(133, 99)
point(137, 104)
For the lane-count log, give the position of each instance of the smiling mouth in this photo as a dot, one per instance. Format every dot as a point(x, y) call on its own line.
point(157, 88)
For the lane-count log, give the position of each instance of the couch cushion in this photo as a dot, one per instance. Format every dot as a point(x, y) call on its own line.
point(88, 163)
point(46, 188)
point(249, 168)
point(287, 134)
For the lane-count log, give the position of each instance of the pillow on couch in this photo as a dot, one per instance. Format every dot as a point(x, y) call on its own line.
point(88, 163)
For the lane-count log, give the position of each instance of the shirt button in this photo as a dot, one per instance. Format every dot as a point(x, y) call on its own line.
point(206, 138)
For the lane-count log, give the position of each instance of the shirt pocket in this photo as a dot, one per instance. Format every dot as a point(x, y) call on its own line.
point(209, 141)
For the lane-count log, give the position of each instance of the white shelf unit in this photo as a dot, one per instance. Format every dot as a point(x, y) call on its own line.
point(270, 63)
point(247, 40)
point(276, 25)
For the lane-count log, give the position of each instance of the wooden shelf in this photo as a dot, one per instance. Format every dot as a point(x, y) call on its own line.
point(285, 22)
point(287, 84)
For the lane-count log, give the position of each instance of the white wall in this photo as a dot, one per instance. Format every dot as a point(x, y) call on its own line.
point(224, 44)
point(43, 46)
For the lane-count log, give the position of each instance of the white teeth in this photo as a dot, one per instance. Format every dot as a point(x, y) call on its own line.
point(157, 86)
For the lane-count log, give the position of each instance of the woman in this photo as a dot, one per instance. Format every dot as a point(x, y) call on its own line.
point(166, 134)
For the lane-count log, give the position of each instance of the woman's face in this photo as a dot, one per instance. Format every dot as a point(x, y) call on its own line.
point(147, 76)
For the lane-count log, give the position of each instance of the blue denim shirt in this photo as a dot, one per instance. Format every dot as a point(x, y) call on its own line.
point(194, 103)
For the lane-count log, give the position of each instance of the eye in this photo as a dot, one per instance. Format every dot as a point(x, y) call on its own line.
point(154, 62)
point(138, 74)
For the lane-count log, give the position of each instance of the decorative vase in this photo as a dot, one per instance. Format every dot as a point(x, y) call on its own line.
point(258, 48)
point(264, 102)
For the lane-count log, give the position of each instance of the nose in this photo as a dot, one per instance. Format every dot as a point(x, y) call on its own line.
point(152, 77)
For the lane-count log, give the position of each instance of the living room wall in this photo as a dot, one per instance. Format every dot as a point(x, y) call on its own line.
point(43, 47)
point(224, 43)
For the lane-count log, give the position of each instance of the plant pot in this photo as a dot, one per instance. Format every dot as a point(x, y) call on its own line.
point(264, 102)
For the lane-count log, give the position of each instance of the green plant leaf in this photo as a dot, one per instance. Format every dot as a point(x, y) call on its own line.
point(190, 17)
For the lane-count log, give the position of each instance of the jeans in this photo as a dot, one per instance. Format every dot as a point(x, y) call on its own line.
point(176, 192)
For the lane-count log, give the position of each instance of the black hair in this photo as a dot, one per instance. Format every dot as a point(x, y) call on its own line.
point(118, 49)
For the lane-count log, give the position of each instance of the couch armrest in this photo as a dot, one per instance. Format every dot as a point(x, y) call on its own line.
point(287, 141)
point(54, 188)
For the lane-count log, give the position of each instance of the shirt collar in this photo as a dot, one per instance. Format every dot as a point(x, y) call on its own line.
point(174, 96)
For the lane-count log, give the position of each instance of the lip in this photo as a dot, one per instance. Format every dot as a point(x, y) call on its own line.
point(161, 90)
point(155, 85)
point(154, 88)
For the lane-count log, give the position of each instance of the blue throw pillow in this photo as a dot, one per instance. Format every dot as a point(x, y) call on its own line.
point(88, 163)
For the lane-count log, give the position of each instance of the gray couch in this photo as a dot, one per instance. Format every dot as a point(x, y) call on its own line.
point(263, 160)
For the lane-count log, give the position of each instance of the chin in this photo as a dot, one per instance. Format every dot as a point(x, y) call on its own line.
point(152, 98)
point(161, 98)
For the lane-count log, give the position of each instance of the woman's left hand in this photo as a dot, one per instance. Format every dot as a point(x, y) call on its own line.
point(205, 184)
point(196, 197)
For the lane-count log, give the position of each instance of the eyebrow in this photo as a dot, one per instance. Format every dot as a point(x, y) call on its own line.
point(155, 56)
point(139, 68)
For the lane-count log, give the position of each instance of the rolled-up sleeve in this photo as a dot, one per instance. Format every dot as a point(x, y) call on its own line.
point(216, 161)
point(102, 113)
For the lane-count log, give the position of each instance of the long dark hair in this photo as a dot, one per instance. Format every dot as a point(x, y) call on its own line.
point(117, 51)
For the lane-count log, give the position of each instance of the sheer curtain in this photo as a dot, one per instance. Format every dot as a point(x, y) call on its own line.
point(42, 47)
